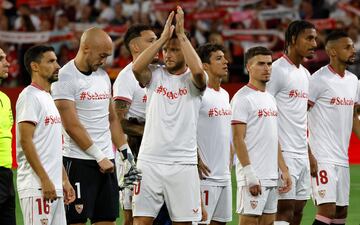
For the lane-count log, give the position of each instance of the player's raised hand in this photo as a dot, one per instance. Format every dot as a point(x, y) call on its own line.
point(286, 182)
point(106, 166)
point(69, 192)
point(179, 28)
point(48, 189)
point(168, 28)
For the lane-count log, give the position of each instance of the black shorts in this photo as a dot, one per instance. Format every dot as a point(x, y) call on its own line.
point(97, 194)
point(7, 197)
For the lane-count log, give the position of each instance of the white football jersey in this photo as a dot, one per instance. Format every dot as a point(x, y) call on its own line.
point(214, 135)
point(290, 87)
point(35, 105)
point(331, 117)
point(172, 112)
point(127, 88)
point(258, 111)
point(92, 95)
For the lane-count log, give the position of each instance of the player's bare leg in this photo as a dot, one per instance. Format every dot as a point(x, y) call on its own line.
point(267, 219)
point(128, 219)
point(143, 220)
point(298, 212)
point(213, 222)
point(341, 214)
point(325, 212)
point(285, 210)
point(248, 220)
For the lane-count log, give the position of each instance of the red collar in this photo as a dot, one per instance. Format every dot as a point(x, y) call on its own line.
point(333, 71)
point(253, 87)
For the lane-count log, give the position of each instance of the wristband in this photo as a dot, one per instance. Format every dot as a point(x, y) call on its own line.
point(250, 176)
point(126, 153)
point(95, 152)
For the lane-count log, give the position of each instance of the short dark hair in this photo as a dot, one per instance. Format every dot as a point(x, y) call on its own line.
point(335, 35)
point(134, 31)
point(204, 51)
point(254, 51)
point(294, 29)
point(35, 54)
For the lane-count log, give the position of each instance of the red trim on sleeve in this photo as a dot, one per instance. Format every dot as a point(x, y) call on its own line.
point(123, 99)
point(28, 121)
point(234, 122)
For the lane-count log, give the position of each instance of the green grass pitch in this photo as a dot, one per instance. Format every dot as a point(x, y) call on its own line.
point(309, 212)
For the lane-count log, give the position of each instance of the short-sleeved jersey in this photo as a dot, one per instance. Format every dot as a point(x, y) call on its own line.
point(214, 135)
point(172, 111)
point(92, 95)
point(290, 87)
point(331, 116)
point(6, 123)
point(127, 88)
point(258, 111)
point(36, 106)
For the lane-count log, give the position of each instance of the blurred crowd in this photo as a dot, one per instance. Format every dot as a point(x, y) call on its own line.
point(236, 24)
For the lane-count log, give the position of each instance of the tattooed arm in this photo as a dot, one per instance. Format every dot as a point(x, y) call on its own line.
point(132, 128)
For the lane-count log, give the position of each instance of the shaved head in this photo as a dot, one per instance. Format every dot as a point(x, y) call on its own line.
point(95, 37)
point(95, 46)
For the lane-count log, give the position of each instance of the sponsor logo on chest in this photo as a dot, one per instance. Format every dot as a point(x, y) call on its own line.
point(298, 94)
point(50, 120)
point(341, 101)
point(161, 90)
point(263, 113)
point(87, 95)
point(214, 112)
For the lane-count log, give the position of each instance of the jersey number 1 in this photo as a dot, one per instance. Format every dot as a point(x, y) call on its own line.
point(206, 197)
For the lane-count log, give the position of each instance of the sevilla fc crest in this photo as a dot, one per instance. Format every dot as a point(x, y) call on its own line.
point(322, 193)
point(253, 204)
point(44, 221)
point(79, 208)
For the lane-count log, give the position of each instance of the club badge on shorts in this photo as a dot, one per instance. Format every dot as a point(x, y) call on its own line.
point(79, 208)
point(322, 193)
point(44, 221)
point(253, 203)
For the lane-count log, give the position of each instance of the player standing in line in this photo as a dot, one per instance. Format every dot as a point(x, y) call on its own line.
point(333, 93)
point(168, 152)
point(83, 97)
point(42, 182)
point(255, 138)
point(213, 137)
point(289, 84)
point(130, 102)
point(7, 192)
